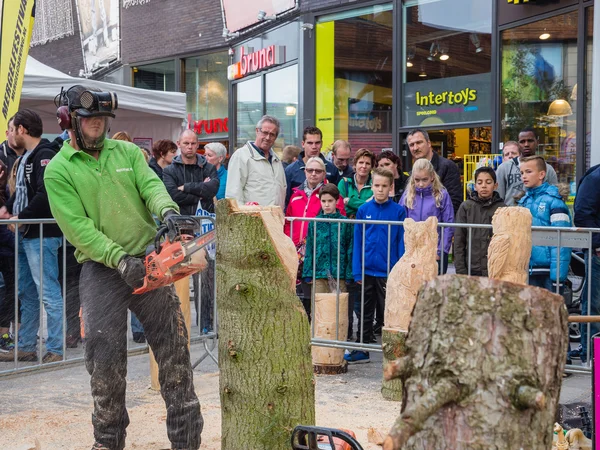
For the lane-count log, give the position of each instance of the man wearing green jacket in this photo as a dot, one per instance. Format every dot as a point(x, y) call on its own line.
point(103, 194)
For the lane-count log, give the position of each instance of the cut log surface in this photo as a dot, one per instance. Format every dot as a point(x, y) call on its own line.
point(325, 318)
point(510, 247)
point(266, 373)
point(483, 367)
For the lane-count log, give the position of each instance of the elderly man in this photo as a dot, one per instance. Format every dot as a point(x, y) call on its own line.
point(510, 186)
point(312, 142)
point(420, 147)
point(255, 172)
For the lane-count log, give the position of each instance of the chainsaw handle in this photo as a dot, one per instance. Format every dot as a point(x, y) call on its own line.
point(162, 231)
point(310, 436)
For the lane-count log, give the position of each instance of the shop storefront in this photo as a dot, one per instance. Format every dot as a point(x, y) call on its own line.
point(546, 78)
point(204, 81)
point(264, 80)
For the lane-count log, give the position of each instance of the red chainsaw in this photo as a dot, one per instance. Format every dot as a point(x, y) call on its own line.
point(179, 254)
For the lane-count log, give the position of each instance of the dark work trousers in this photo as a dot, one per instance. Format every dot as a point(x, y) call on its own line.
point(374, 288)
point(444, 265)
point(7, 295)
point(73, 269)
point(204, 296)
point(353, 299)
point(105, 298)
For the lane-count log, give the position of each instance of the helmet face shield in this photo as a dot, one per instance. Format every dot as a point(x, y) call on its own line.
point(91, 130)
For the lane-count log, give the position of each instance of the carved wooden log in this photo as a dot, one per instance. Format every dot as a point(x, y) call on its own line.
point(483, 367)
point(327, 360)
point(266, 373)
point(416, 266)
point(510, 247)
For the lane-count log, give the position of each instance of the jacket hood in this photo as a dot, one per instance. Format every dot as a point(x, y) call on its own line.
point(200, 160)
point(55, 145)
point(495, 198)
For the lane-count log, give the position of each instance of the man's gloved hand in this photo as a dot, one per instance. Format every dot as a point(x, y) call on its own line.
point(132, 270)
point(169, 213)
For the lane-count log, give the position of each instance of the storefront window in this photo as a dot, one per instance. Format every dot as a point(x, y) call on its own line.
point(156, 77)
point(539, 78)
point(447, 62)
point(589, 42)
point(249, 109)
point(354, 72)
point(282, 102)
point(206, 87)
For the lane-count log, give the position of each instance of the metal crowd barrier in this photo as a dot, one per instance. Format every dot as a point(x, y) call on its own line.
point(560, 237)
point(71, 356)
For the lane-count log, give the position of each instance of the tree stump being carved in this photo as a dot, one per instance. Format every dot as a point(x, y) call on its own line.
point(416, 266)
point(329, 360)
point(483, 367)
point(510, 247)
point(266, 373)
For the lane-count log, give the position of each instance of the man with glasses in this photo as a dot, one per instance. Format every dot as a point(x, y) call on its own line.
point(312, 142)
point(510, 186)
point(255, 172)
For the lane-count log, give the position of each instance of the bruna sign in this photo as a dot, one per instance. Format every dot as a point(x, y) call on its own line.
point(208, 126)
point(252, 62)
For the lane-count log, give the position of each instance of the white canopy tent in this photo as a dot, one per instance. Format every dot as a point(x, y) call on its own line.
point(141, 112)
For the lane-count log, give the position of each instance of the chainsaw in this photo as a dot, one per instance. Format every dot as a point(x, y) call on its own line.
point(179, 255)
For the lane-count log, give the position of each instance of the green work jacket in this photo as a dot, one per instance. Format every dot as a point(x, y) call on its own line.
point(104, 207)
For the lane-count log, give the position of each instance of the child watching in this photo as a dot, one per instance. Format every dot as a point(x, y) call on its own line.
point(548, 209)
point(373, 275)
point(478, 209)
point(425, 196)
point(325, 248)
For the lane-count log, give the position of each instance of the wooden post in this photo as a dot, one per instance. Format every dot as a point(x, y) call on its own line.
point(416, 266)
point(182, 287)
point(266, 374)
point(510, 247)
point(483, 367)
point(328, 360)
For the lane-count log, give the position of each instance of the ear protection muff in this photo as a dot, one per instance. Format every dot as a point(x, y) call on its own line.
point(63, 116)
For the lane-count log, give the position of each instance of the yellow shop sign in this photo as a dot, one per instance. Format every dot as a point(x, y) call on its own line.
point(462, 97)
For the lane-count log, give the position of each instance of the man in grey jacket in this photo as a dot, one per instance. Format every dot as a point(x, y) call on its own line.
point(509, 173)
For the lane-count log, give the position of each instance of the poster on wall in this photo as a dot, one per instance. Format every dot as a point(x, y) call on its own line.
point(144, 143)
point(241, 13)
point(99, 31)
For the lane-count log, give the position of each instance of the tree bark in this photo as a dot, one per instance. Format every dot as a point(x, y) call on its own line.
point(510, 247)
point(266, 379)
point(416, 266)
point(483, 367)
point(329, 360)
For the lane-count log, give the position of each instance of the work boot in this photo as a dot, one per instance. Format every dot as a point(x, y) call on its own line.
point(21, 356)
point(51, 357)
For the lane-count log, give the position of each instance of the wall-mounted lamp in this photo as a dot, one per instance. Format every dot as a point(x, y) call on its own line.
point(444, 56)
point(411, 51)
point(229, 35)
point(290, 110)
point(476, 42)
point(433, 51)
point(262, 16)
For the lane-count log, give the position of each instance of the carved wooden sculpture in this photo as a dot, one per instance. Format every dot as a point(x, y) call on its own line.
point(483, 367)
point(328, 360)
point(416, 266)
point(266, 373)
point(510, 247)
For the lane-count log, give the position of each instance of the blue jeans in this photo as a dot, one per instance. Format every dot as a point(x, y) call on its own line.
point(595, 303)
point(29, 285)
point(136, 325)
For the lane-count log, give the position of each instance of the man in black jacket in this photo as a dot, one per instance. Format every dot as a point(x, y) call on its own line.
point(30, 201)
point(193, 184)
point(420, 147)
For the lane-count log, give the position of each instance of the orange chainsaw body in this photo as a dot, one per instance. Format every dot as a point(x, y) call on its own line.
point(174, 261)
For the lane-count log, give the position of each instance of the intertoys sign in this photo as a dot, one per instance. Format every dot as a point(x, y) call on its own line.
point(252, 62)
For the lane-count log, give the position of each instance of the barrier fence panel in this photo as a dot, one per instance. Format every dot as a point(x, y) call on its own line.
point(578, 240)
point(57, 324)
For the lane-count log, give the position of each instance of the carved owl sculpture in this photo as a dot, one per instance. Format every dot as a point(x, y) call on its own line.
point(510, 247)
point(416, 266)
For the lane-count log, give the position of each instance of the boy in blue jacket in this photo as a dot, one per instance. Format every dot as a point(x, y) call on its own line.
point(549, 210)
point(374, 252)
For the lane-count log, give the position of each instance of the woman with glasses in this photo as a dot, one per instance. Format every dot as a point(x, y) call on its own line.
point(163, 152)
point(305, 202)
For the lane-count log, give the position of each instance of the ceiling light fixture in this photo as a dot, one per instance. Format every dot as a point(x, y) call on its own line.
point(560, 108)
point(422, 74)
point(445, 57)
point(409, 64)
point(544, 36)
